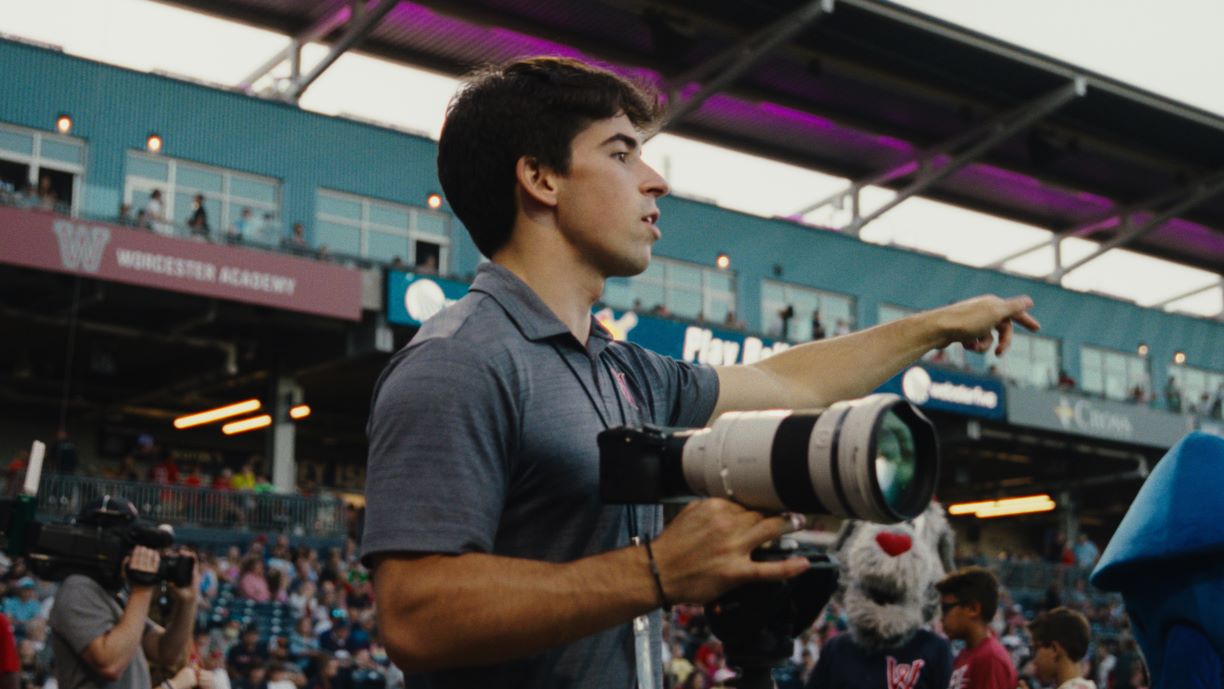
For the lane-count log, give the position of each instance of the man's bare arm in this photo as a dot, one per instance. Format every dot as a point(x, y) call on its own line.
point(440, 611)
point(817, 374)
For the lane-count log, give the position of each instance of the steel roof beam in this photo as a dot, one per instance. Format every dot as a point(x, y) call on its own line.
point(1119, 213)
point(1197, 290)
point(737, 60)
point(293, 52)
point(931, 169)
point(363, 22)
point(1204, 191)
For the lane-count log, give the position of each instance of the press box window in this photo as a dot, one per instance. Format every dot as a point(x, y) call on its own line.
point(359, 226)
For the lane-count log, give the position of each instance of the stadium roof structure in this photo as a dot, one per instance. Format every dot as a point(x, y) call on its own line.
point(864, 89)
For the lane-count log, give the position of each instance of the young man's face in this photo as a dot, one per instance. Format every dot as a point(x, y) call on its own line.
point(957, 616)
point(606, 205)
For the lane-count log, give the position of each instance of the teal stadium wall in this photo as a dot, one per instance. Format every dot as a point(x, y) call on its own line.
point(115, 109)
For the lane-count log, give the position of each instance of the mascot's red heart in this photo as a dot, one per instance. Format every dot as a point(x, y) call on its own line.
point(893, 543)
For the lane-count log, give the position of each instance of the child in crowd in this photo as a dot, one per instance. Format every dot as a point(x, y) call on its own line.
point(1060, 639)
point(969, 598)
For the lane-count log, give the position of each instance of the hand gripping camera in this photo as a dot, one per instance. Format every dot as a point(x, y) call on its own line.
point(95, 544)
point(874, 458)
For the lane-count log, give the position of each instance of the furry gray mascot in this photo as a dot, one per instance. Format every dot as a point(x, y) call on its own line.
point(888, 593)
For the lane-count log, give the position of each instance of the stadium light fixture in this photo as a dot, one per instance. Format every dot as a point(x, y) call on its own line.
point(1143, 349)
point(434, 201)
point(723, 261)
point(301, 411)
point(253, 423)
point(154, 143)
point(63, 123)
point(1004, 507)
point(1179, 357)
point(211, 415)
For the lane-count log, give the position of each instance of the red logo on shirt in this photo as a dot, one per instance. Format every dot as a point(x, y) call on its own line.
point(623, 385)
point(904, 675)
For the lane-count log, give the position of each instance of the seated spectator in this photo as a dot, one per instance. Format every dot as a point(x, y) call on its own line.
point(818, 330)
point(245, 661)
point(244, 480)
point(1086, 552)
point(428, 265)
point(1173, 396)
point(1060, 642)
point(165, 472)
point(155, 214)
point(197, 222)
point(339, 637)
point(252, 582)
point(240, 227)
point(842, 328)
point(785, 315)
point(24, 606)
point(48, 199)
point(1065, 381)
point(296, 241)
point(303, 644)
point(125, 215)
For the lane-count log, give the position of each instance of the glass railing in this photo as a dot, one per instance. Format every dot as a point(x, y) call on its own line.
point(61, 497)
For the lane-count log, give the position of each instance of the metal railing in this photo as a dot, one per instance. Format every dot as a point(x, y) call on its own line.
point(61, 497)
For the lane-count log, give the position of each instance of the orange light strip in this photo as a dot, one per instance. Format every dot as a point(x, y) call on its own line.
point(301, 411)
point(1003, 507)
point(1032, 508)
point(245, 425)
point(201, 418)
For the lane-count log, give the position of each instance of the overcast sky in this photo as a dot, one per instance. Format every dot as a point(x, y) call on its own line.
point(1171, 48)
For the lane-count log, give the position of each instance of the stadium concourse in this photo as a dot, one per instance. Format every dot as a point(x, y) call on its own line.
point(169, 248)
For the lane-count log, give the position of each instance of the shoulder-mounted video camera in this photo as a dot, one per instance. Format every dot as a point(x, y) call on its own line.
point(95, 544)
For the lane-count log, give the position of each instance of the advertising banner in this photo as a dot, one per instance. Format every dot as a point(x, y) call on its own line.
point(1068, 412)
point(36, 239)
point(932, 387)
point(413, 299)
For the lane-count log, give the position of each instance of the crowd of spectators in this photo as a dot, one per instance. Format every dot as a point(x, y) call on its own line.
point(281, 612)
point(694, 658)
point(44, 196)
point(272, 616)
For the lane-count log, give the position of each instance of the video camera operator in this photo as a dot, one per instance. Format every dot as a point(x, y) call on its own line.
point(102, 635)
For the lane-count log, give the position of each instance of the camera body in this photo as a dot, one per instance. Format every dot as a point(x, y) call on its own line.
point(874, 458)
point(96, 550)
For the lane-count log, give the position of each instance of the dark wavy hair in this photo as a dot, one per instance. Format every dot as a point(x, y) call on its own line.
point(973, 584)
point(1068, 627)
point(529, 107)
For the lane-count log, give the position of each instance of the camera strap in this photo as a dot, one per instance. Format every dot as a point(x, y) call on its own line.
point(648, 675)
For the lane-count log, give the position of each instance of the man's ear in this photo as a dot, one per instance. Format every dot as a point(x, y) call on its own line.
point(975, 607)
point(538, 181)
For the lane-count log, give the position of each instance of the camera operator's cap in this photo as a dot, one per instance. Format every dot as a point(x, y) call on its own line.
point(108, 510)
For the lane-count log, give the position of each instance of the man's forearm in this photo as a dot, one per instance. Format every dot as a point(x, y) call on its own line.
point(817, 374)
point(441, 611)
point(173, 643)
point(117, 647)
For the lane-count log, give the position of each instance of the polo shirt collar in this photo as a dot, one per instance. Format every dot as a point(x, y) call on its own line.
point(526, 309)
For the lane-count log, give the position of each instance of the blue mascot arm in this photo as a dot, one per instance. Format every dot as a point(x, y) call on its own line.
point(1190, 661)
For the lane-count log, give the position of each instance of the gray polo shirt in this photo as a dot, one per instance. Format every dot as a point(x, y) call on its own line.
point(483, 439)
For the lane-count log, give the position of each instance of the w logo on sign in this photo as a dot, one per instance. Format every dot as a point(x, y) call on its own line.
point(81, 247)
point(904, 675)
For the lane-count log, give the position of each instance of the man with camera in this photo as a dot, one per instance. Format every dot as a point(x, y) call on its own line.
point(102, 633)
point(495, 562)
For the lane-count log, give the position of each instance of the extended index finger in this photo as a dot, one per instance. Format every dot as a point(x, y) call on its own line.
point(1018, 308)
